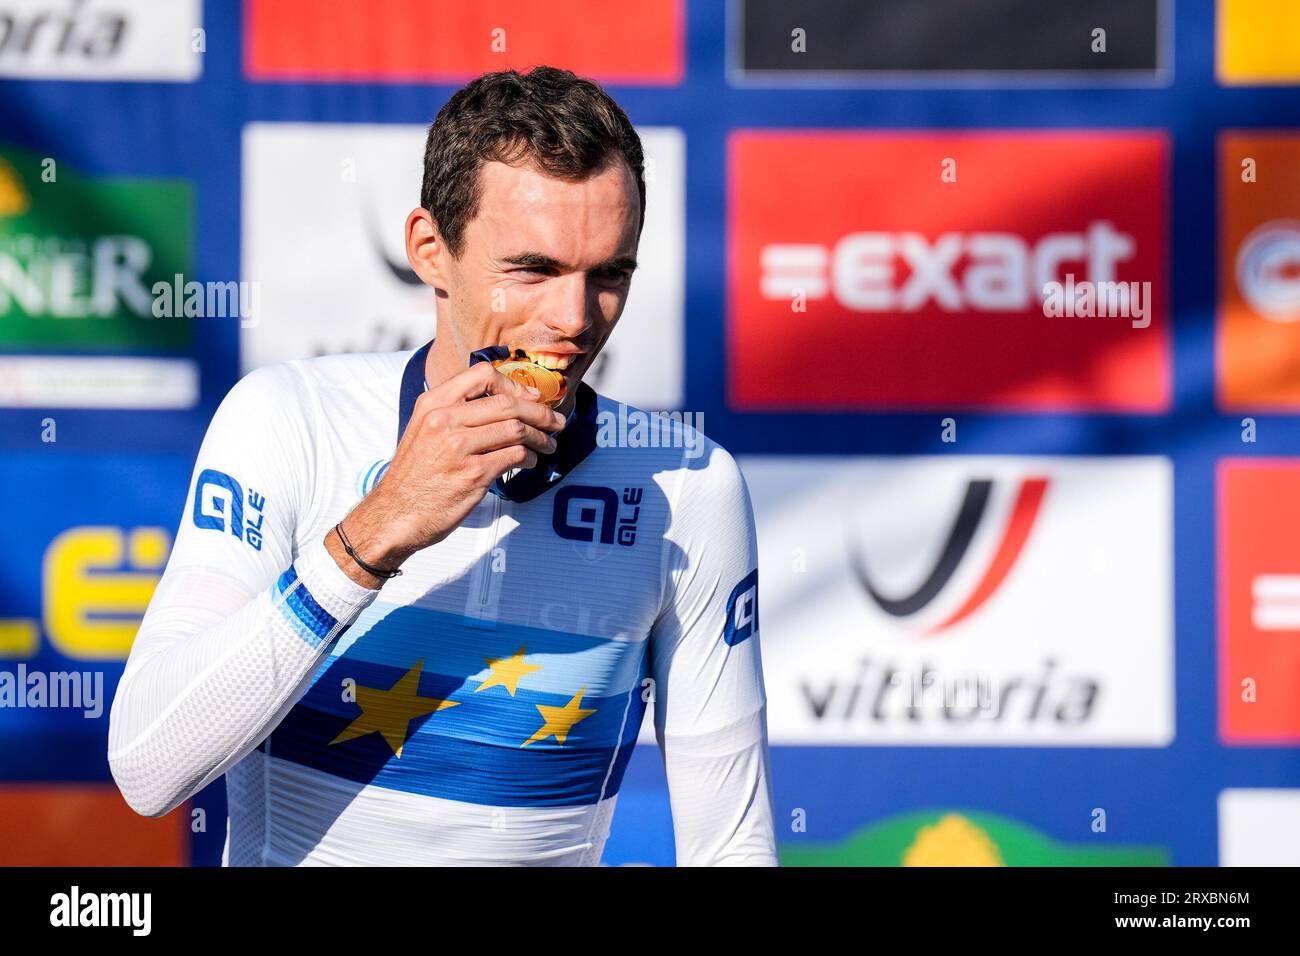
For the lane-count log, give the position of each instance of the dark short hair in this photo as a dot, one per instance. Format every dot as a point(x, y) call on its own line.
point(567, 125)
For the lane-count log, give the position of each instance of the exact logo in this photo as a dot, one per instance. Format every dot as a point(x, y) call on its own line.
point(592, 514)
point(922, 266)
point(1005, 272)
point(219, 506)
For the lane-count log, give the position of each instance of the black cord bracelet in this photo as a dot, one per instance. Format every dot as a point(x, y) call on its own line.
point(347, 546)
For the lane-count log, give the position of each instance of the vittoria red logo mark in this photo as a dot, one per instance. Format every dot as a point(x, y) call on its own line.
point(974, 506)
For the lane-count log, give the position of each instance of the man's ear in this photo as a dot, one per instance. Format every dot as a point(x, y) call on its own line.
point(425, 250)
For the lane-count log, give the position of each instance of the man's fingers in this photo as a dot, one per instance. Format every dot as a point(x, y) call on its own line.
point(503, 459)
point(472, 383)
point(503, 434)
point(502, 407)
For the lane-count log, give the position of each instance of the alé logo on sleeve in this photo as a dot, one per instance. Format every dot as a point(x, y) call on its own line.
point(221, 505)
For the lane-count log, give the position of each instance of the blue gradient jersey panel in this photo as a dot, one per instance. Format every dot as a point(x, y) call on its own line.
point(433, 703)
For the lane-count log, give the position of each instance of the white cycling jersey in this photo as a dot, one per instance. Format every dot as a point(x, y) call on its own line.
point(481, 707)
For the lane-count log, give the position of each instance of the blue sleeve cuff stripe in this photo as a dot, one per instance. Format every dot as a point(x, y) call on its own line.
point(298, 601)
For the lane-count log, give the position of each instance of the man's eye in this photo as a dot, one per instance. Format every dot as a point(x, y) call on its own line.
point(615, 275)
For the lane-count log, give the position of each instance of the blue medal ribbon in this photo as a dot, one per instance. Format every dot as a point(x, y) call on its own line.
point(572, 446)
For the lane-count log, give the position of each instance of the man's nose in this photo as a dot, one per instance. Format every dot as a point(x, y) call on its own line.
point(569, 312)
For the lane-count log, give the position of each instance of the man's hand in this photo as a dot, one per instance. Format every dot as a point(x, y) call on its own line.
point(456, 444)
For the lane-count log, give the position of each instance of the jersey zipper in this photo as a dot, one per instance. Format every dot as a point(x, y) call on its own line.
point(487, 567)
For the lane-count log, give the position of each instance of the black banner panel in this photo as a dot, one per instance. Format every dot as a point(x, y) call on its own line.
point(873, 38)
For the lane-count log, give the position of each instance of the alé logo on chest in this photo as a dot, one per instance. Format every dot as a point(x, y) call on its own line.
point(591, 515)
point(596, 515)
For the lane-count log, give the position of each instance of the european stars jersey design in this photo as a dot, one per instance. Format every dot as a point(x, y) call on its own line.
point(481, 707)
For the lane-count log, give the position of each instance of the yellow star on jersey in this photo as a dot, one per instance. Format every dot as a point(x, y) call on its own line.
point(507, 671)
point(391, 711)
point(560, 720)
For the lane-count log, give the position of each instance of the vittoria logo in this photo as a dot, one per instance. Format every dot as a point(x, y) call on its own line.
point(967, 600)
point(1024, 512)
point(102, 39)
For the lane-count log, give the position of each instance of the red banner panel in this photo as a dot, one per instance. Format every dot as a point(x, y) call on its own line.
point(453, 40)
point(1259, 600)
point(1007, 271)
point(85, 824)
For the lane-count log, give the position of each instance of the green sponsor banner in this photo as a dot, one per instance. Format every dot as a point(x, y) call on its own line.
point(961, 838)
point(79, 258)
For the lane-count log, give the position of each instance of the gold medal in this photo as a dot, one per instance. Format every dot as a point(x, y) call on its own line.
point(548, 381)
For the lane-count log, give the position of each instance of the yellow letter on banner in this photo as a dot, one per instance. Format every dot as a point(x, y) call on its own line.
point(86, 576)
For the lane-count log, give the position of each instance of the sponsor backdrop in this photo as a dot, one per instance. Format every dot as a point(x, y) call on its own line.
point(998, 306)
